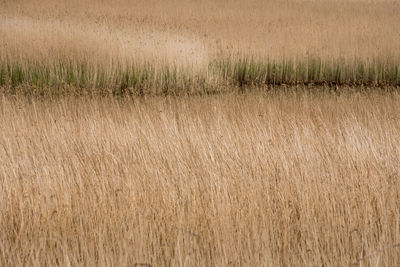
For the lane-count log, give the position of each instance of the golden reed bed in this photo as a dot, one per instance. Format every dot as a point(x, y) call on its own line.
point(290, 179)
point(197, 45)
point(296, 175)
point(194, 32)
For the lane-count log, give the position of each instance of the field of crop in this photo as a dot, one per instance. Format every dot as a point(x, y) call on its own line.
point(199, 133)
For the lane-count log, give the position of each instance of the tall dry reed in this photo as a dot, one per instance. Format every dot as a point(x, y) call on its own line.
point(281, 179)
point(357, 42)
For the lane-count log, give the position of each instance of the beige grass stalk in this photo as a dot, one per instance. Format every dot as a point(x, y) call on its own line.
point(287, 179)
point(195, 32)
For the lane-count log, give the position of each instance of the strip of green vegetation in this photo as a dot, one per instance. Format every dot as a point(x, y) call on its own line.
point(237, 74)
point(313, 71)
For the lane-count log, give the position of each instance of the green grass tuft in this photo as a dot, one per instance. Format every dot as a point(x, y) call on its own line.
point(239, 74)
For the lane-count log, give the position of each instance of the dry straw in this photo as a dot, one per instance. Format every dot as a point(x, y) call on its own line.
point(282, 179)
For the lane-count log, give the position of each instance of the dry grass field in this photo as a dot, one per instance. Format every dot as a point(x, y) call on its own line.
point(290, 179)
point(199, 133)
point(155, 45)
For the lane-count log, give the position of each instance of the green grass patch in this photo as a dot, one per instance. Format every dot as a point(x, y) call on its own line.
point(234, 74)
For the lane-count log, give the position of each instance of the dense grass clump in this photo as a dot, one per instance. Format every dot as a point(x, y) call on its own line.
point(81, 77)
point(34, 77)
point(315, 71)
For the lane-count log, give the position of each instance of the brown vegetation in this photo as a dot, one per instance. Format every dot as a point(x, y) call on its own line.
point(253, 175)
point(200, 30)
point(287, 178)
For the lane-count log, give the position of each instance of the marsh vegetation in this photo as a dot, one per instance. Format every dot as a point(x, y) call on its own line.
point(199, 133)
